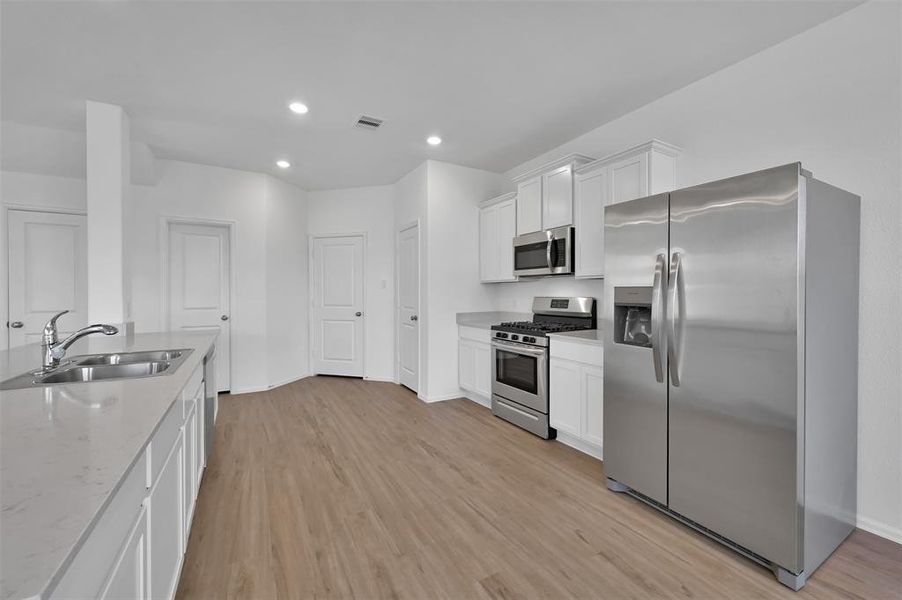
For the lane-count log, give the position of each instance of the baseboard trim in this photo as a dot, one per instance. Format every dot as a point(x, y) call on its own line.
point(894, 534)
point(431, 399)
point(478, 399)
point(579, 444)
point(382, 379)
point(255, 390)
point(289, 380)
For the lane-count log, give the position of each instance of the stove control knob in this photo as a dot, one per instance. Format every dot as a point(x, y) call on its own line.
point(529, 339)
point(515, 337)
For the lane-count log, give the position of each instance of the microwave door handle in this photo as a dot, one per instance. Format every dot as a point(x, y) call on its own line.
point(548, 250)
point(657, 317)
point(673, 344)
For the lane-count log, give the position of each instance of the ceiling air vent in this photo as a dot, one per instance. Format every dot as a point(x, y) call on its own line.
point(371, 123)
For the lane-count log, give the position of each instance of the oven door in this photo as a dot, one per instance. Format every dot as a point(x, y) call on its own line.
point(520, 373)
point(544, 253)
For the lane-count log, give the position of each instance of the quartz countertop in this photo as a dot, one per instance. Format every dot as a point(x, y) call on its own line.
point(485, 320)
point(65, 448)
point(584, 336)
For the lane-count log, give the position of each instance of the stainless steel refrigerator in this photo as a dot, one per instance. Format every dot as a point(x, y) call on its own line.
point(731, 362)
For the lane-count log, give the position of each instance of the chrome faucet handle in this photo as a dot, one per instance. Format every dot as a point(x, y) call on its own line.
point(50, 328)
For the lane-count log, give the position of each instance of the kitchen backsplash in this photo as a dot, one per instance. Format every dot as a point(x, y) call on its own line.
point(517, 296)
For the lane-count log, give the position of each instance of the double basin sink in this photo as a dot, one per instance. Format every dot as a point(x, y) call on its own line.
point(100, 367)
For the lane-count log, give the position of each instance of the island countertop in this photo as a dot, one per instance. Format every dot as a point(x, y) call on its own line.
point(65, 448)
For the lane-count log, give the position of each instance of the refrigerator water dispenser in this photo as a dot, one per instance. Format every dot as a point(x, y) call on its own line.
point(632, 316)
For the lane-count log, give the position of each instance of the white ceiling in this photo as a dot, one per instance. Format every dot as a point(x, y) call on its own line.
point(501, 82)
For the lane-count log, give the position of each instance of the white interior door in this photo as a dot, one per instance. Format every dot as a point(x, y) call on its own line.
point(409, 307)
point(200, 287)
point(338, 306)
point(47, 273)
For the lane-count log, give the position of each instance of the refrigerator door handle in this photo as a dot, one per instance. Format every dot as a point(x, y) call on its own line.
point(657, 317)
point(673, 290)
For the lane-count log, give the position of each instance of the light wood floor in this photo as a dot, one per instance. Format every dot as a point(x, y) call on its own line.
point(340, 488)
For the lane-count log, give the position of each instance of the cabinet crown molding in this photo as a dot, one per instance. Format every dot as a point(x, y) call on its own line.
point(497, 199)
point(574, 160)
point(653, 144)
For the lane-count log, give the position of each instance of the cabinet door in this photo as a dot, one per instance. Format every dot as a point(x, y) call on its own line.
point(488, 244)
point(482, 358)
point(190, 472)
point(167, 522)
point(466, 365)
point(529, 206)
point(557, 198)
point(592, 399)
point(128, 578)
point(629, 178)
point(589, 201)
point(199, 450)
point(564, 410)
point(505, 233)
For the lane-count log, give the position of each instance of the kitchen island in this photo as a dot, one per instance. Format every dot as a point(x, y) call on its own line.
point(68, 451)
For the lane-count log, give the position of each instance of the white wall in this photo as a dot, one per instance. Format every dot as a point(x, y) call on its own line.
point(202, 192)
point(367, 210)
point(286, 282)
point(830, 98)
point(452, 271)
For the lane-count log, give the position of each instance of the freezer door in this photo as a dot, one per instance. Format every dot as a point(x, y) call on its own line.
point(733, 319)
point(635, 389)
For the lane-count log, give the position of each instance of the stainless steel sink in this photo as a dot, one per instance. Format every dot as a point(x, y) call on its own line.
point(127, 358)
point(102, 371)
point(103, 367)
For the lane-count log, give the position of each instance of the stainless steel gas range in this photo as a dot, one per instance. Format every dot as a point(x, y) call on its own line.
point(520, 360)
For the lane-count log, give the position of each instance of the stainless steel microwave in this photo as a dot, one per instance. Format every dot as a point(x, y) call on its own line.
point(547, 252)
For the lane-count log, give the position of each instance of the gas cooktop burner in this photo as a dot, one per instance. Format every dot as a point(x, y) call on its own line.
point(537, 328)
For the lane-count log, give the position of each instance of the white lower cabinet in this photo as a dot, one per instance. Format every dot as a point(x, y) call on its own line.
point(167, 522)
point(564, 405)
point(136, 548)
point(474, 364)
point(576, 395)
point(190, 484)
point(128, 579)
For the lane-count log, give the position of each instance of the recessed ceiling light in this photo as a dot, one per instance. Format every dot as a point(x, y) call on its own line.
point(298, 107)
point(433, 140)
point(283, 164)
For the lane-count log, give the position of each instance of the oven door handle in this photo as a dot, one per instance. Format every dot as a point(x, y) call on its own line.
point(519, 349)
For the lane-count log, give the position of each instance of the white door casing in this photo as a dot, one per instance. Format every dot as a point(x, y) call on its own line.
point(200, 286)
point(338, 302)
point(47, 273)
point(409, 307)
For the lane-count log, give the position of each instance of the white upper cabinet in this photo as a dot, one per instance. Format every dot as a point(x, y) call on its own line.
point(545, 195)
point(529, 206)
point(557, 201)
point(497, 228)
point(644, 170)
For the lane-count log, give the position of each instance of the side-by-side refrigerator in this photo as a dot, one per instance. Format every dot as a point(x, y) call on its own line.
point(731, 362)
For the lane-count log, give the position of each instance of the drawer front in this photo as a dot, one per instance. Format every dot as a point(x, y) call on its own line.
point(590, 354)
point(192, 388)
point(90, 567)
point(475, 333)
point(521, 416)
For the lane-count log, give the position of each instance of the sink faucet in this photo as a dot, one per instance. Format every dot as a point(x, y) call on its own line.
point(54, 350)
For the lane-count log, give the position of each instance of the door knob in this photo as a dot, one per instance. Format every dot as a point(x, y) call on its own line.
point(224, 318)
point(414, 318)
point(17, 324)
point(358, 313)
